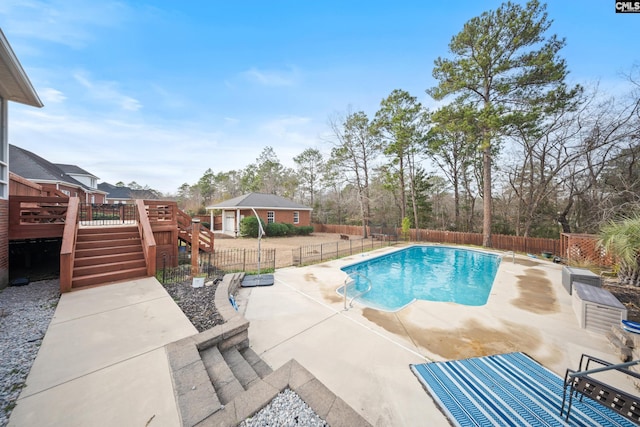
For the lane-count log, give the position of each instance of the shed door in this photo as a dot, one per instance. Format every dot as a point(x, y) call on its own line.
point(230, 221)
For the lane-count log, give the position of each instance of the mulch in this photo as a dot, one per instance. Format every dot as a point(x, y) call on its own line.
point(629, 296)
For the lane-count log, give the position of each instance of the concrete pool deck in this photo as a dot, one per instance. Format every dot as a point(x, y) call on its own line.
point(362, 354)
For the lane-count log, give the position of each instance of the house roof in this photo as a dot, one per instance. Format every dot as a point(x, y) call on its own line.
point(14, 83)
point(74, 170)
point(259, 201)
point(37, 169)
point(115, 192)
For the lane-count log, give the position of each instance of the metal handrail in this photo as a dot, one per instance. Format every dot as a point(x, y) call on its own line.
point(512, 253)
point(350, 277)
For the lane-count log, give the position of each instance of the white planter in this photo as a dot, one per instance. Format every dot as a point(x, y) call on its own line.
point(198, 282)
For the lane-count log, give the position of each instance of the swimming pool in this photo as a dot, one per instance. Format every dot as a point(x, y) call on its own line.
point(431, 273)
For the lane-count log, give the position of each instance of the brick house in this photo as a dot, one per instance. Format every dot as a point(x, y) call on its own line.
point(269, 207)
point(14, 86)
point(61, 179)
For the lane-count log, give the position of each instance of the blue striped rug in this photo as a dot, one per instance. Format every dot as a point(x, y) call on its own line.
point(506, 390)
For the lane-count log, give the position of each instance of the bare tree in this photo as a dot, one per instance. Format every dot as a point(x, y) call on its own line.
point(355, 151)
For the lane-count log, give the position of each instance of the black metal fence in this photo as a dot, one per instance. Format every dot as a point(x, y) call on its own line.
point(92, 214)
point(221, 262)
point(326, 251)
point(217, 264)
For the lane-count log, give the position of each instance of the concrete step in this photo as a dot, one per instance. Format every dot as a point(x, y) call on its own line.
point(224, 381)
point(259, 366)
point(241, 369)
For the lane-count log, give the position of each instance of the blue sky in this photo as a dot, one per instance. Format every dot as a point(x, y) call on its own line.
point(158, 91)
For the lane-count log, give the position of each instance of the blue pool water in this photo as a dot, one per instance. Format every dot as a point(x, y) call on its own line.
point(432, 273)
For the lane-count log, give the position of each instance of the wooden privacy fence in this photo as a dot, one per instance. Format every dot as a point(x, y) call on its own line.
point(583, 249)
point(533, 245)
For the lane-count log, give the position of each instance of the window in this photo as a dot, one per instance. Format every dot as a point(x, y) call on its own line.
point(296, 217)
point(271, 217)
point(67, 192)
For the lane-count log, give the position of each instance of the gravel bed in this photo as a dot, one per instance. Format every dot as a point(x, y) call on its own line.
point(25, 314)
point(196, 303)
point(287, 409)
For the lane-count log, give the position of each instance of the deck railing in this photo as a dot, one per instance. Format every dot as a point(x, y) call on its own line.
point(67, 249)
point(146, 236)
point(34, 217)
point(107, 214)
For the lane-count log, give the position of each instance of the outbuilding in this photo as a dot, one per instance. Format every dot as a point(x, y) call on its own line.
point(269, 207)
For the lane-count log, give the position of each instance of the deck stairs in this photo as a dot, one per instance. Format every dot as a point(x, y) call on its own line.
point(185, 228)
point(107, 254)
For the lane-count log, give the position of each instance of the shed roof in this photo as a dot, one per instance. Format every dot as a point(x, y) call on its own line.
point(14, 82)
point(259, 201)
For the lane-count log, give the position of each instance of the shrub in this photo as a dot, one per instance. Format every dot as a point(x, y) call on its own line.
point(249, 226)
point(276, 229)
point(305, 230)
point(291, 229)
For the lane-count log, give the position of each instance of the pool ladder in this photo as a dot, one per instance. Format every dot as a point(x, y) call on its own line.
point(513, 255)
point(350, 281)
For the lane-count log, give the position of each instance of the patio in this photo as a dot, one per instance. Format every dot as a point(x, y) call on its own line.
point(363, 355)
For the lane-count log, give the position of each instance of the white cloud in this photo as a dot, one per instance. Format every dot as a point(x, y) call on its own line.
point(272, 77)
point(60, 21)
point(107, 91)
point(51, 96)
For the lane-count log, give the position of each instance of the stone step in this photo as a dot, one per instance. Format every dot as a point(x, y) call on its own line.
point(223, 379)
point(621, 350)
point(259, 366)
point(623, 336)
point(241, 369)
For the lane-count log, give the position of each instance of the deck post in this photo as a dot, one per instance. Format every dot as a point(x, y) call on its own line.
point(195, 246)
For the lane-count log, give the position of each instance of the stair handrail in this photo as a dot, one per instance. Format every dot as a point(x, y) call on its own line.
point(206, 235)
point(146, 236)
point(350, 280)
point(67, 248)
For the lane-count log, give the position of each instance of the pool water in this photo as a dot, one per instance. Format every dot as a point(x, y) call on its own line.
point(431, 273)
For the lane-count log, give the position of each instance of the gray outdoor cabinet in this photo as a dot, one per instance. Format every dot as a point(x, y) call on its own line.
point(596, 309)
point(582, 275)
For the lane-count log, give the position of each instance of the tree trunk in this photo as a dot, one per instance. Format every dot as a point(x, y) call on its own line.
point(487, 211)
point(562, 217)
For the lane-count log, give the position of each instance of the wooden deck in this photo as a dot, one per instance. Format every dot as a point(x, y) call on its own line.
point(161, 225)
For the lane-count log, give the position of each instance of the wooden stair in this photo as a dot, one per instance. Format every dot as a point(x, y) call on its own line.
point(107, 254)
point(206, 236)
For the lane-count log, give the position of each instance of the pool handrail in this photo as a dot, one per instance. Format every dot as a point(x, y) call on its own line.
point(351, 281)
point(512, 253)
